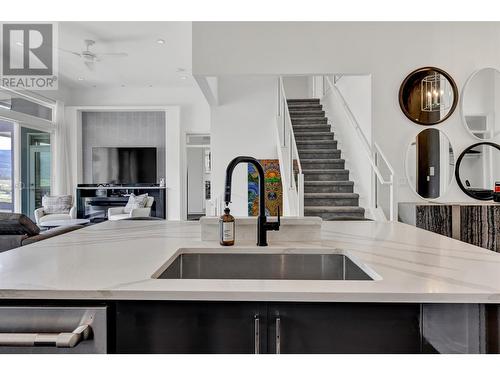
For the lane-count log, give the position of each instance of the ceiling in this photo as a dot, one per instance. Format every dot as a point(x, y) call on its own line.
point(148, 64)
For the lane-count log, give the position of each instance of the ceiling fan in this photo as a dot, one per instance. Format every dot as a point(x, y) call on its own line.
point(91, 58)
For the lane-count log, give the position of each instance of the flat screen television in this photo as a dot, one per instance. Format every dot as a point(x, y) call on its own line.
point(124, 165)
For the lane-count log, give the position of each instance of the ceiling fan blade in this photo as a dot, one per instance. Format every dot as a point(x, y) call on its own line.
point(71, 52)
point(90, 65)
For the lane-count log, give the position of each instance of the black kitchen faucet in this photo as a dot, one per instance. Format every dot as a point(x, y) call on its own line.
point(262, 225)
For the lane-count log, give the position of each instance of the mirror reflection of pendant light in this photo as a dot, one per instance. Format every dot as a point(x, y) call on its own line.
point(435, 93)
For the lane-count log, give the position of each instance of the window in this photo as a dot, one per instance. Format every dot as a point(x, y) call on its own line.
point(6, 166)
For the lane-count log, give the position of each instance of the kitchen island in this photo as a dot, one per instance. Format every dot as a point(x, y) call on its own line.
point(423, 284)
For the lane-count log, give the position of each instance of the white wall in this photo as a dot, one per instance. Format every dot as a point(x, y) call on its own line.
point(195, 163)
point(356, 91)
point(195, 112)
point(387, 51)
point(297, 87)
point(242, 125)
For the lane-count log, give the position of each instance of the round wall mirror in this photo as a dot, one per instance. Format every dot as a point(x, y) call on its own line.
point(430, 163)
point(478, 169)
point(428, 96)
point(480, 104)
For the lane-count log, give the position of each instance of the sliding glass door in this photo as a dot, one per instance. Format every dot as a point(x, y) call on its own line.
point(27, 126)
point(36, 160)
point(6, 166)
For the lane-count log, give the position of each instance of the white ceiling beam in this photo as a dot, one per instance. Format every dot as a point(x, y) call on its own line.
point(208, 86)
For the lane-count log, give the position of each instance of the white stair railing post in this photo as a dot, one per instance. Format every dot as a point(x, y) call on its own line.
point(288, 155)
point(300, 180)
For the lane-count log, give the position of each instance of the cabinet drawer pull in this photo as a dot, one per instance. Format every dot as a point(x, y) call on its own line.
point(257, 334)
point(278, 335)
point(59, 340)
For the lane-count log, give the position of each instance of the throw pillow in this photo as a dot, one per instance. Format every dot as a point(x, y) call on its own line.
point(59, 204)
point(135, 201)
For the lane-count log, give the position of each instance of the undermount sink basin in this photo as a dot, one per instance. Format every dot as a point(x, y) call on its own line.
point(277, 265)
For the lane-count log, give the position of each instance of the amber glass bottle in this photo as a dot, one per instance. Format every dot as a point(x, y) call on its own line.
point(226, 228)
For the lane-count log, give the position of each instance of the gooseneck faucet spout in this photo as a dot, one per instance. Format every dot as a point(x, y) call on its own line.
point(262, 225)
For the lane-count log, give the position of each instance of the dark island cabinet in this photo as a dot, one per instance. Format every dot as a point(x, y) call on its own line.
point(247, 327)
point(190, 327)
point(344, 328)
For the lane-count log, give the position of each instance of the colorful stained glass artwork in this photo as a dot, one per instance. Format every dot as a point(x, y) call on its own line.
point(273, 187)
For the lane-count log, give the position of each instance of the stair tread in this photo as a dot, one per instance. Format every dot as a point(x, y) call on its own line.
point(312, 118)
point(310, 125)
point(329, 170)
point(323, 151)
point(305, 134)
point(328, 183)
point(304, 109)
point(335, 209)
point(302, 100)
point(331, 195)
point(309, 118)
point(318, 113)
point(310, 105)
point(308, 141)
point(321, 161)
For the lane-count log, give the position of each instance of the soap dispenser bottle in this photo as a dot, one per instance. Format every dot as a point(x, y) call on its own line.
point(226, 228)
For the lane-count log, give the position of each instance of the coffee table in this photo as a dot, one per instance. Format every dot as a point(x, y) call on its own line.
point(64, 223)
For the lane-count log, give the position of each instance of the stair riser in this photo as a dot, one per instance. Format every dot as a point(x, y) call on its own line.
point(330, 176)
point(312, 154)
point(309, 129)
point(329, 189)
point(309, 120)
point(331, 201)
point(314, 137)
point(305, 107)
point(305, 114)
point(300, 101)
point(329, 216)
point(317, 146)
point(340, 164)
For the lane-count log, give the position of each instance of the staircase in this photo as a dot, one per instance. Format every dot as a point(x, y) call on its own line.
point(328, 193)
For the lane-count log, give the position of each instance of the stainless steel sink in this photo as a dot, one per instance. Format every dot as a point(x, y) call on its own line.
point(263, 266)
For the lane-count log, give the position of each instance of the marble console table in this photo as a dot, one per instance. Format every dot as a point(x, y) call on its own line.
point(474, 223)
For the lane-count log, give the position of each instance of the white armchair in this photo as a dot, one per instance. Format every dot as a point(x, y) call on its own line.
point(118, 213)
point(41, 216)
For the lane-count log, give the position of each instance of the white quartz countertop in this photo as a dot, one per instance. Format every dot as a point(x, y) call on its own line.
point(116, 260)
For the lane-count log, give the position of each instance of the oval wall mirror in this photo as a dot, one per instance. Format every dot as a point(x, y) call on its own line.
point(480, 104)
point(478, 169)
point(428, 96)
point(430, 162)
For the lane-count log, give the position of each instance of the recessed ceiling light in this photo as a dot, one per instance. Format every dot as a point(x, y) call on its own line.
point(160, 41)
point(80, 78)
point(183, 77)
